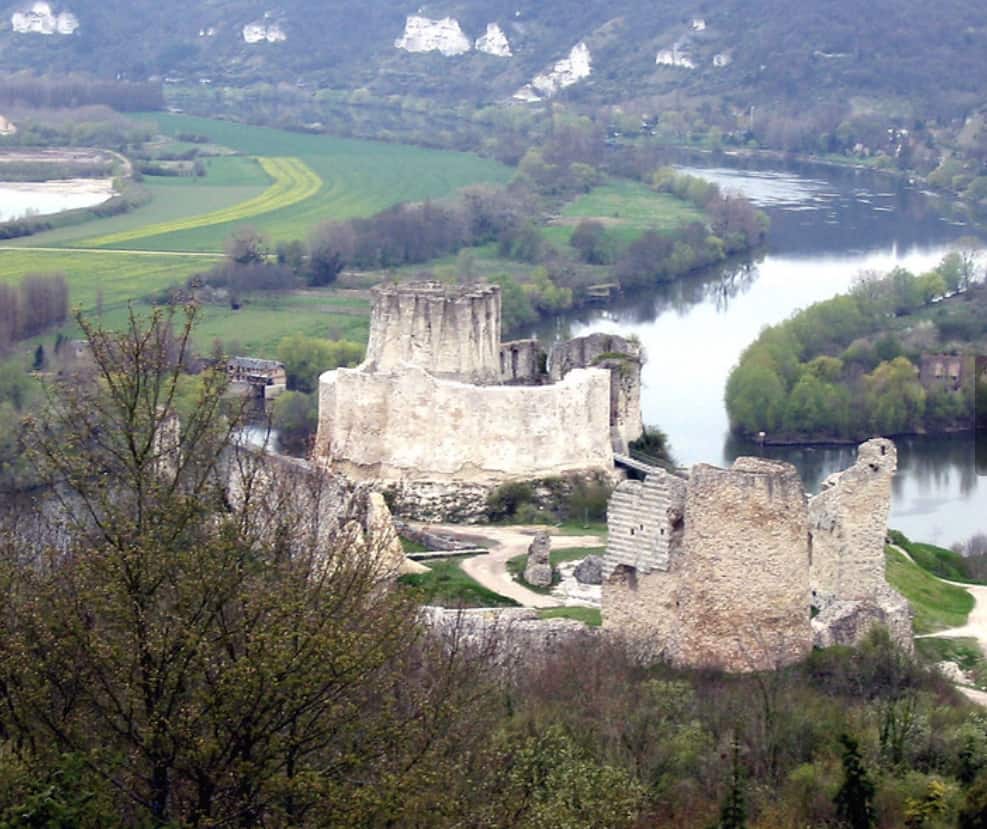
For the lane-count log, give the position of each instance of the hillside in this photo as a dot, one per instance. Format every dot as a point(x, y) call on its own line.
point(904, 54)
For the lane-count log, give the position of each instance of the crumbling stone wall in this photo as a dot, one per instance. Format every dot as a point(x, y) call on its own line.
point(645, 520)
point(451, 331)
point(412, 425)
point(523, 361)
point(849, 521)
point(746, 556)
point(744, 585)
point(623, 359)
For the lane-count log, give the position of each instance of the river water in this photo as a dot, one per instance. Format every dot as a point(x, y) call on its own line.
point(827, 224)
point(45, 197)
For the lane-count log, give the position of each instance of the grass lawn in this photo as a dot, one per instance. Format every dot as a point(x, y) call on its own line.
point(587, 615)
point(446, 585)
point(937, 606)
point(628, 208)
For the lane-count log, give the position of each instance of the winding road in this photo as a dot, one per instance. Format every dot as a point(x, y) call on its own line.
point(975, 627)
point(505, 543)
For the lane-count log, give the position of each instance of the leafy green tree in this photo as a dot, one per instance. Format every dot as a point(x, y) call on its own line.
point(593, 242)
point(895, 398)
point(305, 358)
point(855, 798)
point(755, 398)
point(296, 417)
point(973, 814)
point(207, 654)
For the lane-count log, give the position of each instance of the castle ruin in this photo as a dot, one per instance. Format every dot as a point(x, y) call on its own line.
point(721, 568)
point(441, 411)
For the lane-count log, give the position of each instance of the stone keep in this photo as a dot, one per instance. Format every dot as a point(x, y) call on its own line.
point(450, 331)
point(440, 412)
point(744, 584)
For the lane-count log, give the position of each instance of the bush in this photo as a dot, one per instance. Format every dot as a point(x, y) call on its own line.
point(505, 501)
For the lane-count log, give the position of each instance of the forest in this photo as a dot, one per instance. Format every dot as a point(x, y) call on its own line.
point(848, 367)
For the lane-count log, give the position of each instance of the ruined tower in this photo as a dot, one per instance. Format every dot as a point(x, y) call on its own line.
point(450, 331)
point(439, 413)
point(720, 569)
point(849, 521)
point(744, 589)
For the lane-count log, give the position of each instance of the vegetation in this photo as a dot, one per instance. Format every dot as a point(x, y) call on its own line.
point(846, 368)
point(587, 615)
point(293, 182)
point(446, 585)
point(936, 605)
point(951, 565)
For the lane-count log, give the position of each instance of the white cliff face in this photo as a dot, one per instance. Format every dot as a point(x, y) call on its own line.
point(494, 42)
point(264, 32)
point(674, 57)
point(566, 72)
point(41, 19)
point(422, 34)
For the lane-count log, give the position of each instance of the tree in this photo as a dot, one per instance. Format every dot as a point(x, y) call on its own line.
point(330, 246)
point(733, 814)
point(305, 358)
point(973, 814)
point(595, 246)
point(247, 246)
point(855, 798)
point(895, 399)
point(182, 625)
point(755, 398)
point(296, 417)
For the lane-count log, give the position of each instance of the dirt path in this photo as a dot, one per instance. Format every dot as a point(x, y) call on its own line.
point(975, 627)
point(505, 543)
point(115, 250)
point(976, 622)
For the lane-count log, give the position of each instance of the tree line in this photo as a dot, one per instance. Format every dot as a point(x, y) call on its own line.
point(24, 89)
point(838, 369)
point(28, 308)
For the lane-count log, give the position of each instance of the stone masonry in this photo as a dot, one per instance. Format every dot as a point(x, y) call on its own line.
point(720, 570)
point(849, 521)
point(440, 402)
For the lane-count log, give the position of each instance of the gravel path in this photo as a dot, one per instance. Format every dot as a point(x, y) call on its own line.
point(505, 543)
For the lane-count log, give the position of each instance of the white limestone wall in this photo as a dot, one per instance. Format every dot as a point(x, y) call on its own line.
point(409, 425)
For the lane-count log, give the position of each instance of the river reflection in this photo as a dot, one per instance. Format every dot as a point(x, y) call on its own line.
point(827, 226)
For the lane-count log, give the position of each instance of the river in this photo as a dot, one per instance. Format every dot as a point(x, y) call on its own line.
point(827, 224)
point(42, 198)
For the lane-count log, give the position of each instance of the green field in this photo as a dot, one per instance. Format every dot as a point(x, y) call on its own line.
point(627, 208)
point(282, 183)
point(358, 178)
point(292, 182)
point(937, 605)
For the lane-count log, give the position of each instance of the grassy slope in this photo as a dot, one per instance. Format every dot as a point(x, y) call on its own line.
point(447, 585)
point(937, 560)
point(937, 606)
